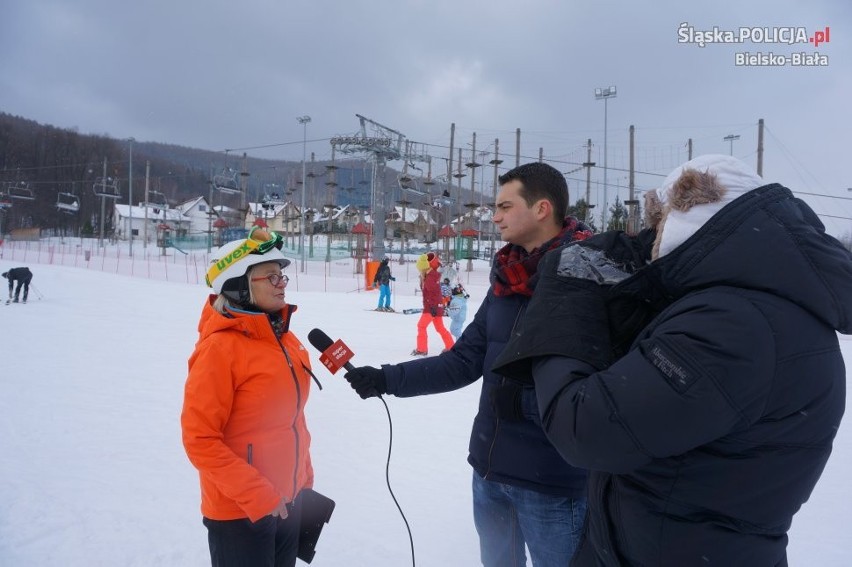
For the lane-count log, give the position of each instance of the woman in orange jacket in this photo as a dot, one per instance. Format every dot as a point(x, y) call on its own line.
point(243, 418)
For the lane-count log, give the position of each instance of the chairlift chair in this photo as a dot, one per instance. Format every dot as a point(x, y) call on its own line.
point(106, 187)
point(273, 200)
point(156, 199)
point(67, 203)
point(226, 182)
point(444, 198)
point(20, 190)
point(409, 184)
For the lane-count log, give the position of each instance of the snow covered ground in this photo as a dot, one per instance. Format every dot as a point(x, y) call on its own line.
point(93, 471)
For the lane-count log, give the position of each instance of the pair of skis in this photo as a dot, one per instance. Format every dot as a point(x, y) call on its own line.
point(403, 312)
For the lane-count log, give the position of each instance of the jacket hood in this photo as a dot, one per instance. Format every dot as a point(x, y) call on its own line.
point(247, 322)
point(687, 206)
point(765, 240)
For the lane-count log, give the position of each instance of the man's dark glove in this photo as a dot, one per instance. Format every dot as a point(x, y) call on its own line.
point(433, 311)
point(367, 381)
point(506, 401)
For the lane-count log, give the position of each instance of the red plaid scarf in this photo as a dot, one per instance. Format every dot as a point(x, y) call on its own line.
point(515, 269)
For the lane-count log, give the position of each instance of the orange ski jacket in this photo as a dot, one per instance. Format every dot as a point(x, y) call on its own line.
point(243, 417)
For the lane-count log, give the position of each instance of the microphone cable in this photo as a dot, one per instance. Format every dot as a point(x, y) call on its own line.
point(387, 479)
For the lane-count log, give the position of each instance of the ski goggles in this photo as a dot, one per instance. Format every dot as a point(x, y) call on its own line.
point(259, 241)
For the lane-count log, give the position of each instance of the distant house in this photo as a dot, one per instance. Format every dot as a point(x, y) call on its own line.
point(234, 217)
point(416, 223)
point(198, 213)
point(340, 221)
point(129, 221)
point(283, 218)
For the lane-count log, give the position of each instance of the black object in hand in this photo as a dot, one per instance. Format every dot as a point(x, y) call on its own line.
point(316, 511)
point(433, 311)
point(367, 381)
point(506, 400)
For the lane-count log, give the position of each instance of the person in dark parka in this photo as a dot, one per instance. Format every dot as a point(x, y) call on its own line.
point(23, 276)
point(710, 433)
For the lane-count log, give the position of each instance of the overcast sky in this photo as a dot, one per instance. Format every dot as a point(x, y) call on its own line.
point(232, 75)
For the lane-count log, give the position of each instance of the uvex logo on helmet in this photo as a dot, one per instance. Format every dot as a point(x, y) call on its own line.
point(220, 265)
point(246, 248)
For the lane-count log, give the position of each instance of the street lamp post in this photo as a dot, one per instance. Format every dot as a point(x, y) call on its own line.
point(130, 193)
point(303, 120)
point(605, 93)
point(730, 138)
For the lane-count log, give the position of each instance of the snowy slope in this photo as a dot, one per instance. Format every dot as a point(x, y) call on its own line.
point(94, 472)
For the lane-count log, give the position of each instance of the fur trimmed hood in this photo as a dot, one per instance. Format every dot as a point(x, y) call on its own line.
point(696, 191)
point(765, 239)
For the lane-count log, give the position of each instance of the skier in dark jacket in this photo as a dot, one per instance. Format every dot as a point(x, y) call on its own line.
point(383, 278)
point(710, 433)
point(23, 276)
point(524, 493)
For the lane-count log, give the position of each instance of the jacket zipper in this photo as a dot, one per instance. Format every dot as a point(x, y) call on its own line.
point(497, 419)
point(298, 406)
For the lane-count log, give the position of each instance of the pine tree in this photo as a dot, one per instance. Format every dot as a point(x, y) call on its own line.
point(617, 216)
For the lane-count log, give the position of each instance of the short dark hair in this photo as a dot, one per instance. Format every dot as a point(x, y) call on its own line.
point(541, 181)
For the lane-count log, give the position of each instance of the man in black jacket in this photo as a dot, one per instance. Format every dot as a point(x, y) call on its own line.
point(23, 276)
point(711, 431)
point(523, 492)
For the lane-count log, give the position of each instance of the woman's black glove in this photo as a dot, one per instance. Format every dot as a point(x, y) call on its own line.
point(433, 311)
point(367, 381)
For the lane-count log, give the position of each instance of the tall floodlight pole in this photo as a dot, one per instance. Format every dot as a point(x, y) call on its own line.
point(303, 120)
point(605, 93)
point(130, 194)
point(730, 138)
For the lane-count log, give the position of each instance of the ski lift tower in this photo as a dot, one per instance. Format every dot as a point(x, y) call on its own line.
point(380, 144)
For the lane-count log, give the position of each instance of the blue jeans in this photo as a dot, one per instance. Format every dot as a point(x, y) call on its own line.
point(384, 294)
point(507, 517)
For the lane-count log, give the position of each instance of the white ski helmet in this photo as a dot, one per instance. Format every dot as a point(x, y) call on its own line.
point(235, 258)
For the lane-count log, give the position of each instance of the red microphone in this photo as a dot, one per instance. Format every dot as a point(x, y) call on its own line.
point(334, 354)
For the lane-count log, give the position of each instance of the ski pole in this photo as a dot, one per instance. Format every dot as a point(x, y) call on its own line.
point(37, 292)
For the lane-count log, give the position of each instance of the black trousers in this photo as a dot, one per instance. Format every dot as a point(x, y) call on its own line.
point(269, 542)
point(22, 282)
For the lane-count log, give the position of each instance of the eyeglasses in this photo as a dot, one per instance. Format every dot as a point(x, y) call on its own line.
point(274, 279)
point(259, 241)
